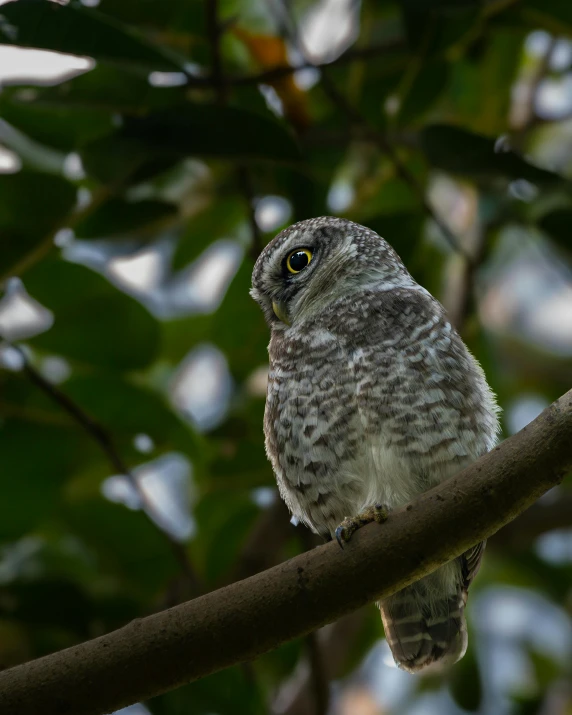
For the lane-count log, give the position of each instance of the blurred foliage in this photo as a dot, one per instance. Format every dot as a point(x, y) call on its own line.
point(180, 145)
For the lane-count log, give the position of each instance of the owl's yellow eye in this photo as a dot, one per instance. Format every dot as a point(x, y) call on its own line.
point(298, 260)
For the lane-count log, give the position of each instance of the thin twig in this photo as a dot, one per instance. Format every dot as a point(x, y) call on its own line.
point(214, 32)
point(270, 75)
point(244, 178)
point(104, 439)
point(459, 292)
point(320, 684)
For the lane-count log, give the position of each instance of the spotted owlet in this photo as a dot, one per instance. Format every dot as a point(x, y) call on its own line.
point(372, 398)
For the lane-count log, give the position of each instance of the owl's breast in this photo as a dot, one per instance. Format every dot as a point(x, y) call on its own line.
point(374, 416)
point(312, 430)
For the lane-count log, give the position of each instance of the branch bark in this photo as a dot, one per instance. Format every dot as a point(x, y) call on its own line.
point(240, 622)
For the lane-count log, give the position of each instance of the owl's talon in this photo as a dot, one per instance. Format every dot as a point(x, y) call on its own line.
point(348, 527)
point(339, 536)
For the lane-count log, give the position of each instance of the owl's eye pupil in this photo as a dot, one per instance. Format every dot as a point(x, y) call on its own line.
point(298, 260)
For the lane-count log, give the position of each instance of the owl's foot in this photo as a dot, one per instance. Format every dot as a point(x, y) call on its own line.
point(348, 527)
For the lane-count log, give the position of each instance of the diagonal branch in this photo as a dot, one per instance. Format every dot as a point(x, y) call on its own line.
point(152, 655)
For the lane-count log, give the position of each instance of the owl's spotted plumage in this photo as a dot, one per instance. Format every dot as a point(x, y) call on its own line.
point(372, 399)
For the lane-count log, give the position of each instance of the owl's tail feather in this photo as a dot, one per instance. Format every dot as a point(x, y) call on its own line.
point(424, 634)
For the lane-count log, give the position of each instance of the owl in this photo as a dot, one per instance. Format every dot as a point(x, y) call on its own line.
point(372, 399)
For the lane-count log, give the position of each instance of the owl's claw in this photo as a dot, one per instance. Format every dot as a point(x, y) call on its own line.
point(348, 527)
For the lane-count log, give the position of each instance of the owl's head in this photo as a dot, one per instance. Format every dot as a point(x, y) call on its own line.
point(312, 263)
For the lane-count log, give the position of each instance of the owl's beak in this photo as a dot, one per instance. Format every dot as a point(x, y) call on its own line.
point(280, 312)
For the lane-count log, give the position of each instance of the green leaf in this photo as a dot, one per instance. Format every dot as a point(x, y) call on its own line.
point(188, 130)
point(223, 519)
point(60, 127)
point(230, 692)
point(95, 323)
point(128, 546)
point(180, 15)
point(218, 220)
point(127, 409)
point(119, 217)
point(393, 196)
point(400, 230)
point(21, 228)
point(437, 24)
point(497, 74)
point(78, 30)
point(428, 84)
point(462, 152)
point(37, 459)
point(238, 327)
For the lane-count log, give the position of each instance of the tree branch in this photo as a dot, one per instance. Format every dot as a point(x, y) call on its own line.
point(152, 655)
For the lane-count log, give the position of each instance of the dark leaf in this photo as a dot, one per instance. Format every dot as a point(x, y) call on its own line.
point(238, 327)
point(119, 217)
point(400, 230)
point(129, 547)
point(78, 30)
point(180, 15)
point(438, 24)
point(188, 130)
point(558, 225)
point(218, 220)
point(230, 692)
point(127, 409)
point(113, 89)
point(424, 91)
point(462, 152)
point(23, 229)
point(60, 127)
point(37, 459)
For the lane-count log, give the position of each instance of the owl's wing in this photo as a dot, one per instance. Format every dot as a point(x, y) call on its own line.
point(471, 562)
